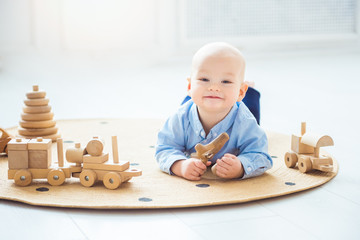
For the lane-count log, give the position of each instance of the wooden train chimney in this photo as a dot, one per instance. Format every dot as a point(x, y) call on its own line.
point(115, 149)
point(60, 152)
point(303, 128)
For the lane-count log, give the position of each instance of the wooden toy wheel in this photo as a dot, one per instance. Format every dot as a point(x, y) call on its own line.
point(23, 178)
point(88, 178)
point(112, 180)
point(56, 177)
point(290, 159)
point(304, 164)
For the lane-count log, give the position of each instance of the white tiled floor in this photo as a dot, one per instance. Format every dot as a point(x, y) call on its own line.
point(320, 87)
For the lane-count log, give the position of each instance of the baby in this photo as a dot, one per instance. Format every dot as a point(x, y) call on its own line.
point(216, 88)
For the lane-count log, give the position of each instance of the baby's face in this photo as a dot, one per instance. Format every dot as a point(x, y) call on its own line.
point(216, 82)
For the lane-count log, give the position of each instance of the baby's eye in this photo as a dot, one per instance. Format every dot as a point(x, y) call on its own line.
point(226, 81)
point(204, 79)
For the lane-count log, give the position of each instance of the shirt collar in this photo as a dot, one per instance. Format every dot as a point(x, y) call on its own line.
point(195, 120)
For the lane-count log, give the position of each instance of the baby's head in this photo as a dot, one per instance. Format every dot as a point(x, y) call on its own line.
point(217, 77)
point(218, 50)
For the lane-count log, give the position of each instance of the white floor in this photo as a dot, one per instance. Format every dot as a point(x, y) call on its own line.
point(320, 87)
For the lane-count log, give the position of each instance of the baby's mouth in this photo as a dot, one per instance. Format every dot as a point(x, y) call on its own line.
point(213, 97)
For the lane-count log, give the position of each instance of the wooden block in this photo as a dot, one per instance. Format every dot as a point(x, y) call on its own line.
point(36, 95)
point(96, 159)
point(299, 147)
point(18, 144)
point(40, 173)
point(37, 124)
point(18, 159)
point(39, 144)
point(295, 141)
point(39, 159)
point(35, 173)
point(37, 116)
point(323, 161)
point(316, 140)
point(121, 166)
point(36, 102)
point(76, 154)
point(95, 146)
point(131, 172)
point(125, 175)
point(34, 132)
point(37, 109)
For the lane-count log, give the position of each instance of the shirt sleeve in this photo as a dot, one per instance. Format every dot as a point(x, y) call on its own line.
point(253, 146)
point(170, 145)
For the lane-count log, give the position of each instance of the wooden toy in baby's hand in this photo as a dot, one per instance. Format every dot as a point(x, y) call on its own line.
point(207, 152)
point(4, 139)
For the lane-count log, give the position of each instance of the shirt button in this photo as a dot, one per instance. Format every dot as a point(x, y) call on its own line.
point(202, 134)
point(249, 169)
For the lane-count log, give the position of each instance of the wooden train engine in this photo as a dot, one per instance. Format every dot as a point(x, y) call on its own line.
point(305, 152)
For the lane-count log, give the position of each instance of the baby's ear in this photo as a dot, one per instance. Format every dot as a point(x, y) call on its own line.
point(243, 90)
point(189, 85)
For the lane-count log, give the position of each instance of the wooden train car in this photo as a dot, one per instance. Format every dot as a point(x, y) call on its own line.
point(31, 159)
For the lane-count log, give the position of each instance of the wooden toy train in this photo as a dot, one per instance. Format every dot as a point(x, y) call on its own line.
point(31, 159)
point(305, 152)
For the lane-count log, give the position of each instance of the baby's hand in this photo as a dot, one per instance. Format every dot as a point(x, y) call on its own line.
point(191, 169)
point(229, 166)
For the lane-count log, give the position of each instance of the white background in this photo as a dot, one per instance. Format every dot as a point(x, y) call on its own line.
point(115, 59)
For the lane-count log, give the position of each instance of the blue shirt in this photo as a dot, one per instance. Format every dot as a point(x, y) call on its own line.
point(182, 131)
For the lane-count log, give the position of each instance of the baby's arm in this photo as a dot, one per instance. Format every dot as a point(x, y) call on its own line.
point(191, 168)
point(229, 166)
point(170, 151)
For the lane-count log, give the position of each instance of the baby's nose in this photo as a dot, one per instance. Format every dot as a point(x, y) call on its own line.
point(214, 87)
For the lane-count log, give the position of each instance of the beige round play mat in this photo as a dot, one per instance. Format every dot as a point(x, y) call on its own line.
point(155, 189)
